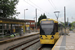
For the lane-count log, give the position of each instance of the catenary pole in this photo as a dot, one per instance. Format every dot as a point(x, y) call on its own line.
point(36, 18)
point(65, 18)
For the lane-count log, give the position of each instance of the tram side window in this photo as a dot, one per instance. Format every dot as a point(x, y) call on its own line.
point(56, 27)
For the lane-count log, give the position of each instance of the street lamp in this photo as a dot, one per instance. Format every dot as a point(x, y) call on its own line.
point(24, 12)
point(56, 15)
point(34, 23)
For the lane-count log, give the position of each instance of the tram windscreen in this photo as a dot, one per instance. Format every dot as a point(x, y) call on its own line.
point(47, 27)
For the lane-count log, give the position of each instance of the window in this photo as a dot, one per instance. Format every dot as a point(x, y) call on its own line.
point(27, 22)
point(56, 27)
point(32, 23)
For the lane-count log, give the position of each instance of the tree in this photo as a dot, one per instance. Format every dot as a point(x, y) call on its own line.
point(73, 24)
point(8, 7)
point(40, 18)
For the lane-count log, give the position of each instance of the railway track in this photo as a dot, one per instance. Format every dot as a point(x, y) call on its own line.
point(25, 45)
point(46, 47)
point(30, 45)
point(12, 44)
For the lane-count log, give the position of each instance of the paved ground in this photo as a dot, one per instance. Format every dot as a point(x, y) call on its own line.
point(65, 42)
point(25, 34)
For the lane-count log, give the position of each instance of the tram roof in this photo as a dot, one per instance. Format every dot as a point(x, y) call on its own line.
point(50, 19)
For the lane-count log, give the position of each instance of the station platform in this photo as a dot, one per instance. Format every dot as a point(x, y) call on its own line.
point(65, 42)
point(17, 36)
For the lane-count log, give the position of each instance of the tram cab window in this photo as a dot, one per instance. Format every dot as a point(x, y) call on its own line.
point(47, 28)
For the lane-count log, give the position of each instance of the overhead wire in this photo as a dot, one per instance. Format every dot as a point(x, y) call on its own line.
point(36, 7)
point(52, 4)
point(32, 5)
point(29, 3)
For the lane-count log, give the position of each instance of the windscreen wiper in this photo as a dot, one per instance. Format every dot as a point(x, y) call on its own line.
point(45, 34)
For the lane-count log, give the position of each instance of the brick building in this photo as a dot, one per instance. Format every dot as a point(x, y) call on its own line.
point(31, 23)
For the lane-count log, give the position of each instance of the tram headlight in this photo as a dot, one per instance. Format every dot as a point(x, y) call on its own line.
point(41, 37)
point(52, 37)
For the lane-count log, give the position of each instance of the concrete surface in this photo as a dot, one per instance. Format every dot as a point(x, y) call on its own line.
point(69, 44)
point(25, 34)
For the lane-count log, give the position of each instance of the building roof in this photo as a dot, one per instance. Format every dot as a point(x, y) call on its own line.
point(6, 20)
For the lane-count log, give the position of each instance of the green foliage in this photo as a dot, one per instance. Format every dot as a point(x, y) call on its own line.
point(8, 7)
point(12, 18)
point(65, 24)
point(73, 24)
point(40, 18)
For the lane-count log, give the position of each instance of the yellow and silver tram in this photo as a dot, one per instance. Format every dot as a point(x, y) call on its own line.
point(48, 31)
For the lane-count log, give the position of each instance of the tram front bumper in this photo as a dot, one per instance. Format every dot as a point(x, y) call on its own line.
point(51, 41)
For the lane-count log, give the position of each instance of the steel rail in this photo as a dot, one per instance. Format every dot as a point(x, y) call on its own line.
point(30, 45)
point(23, 44)
point(45, 46)
point(39, 48)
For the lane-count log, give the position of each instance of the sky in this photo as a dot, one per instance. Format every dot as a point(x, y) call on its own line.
point(48, 7)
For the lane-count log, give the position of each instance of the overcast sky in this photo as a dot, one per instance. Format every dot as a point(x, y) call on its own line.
point(48, 7)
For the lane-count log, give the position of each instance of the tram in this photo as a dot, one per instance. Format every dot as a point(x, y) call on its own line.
point(48, 31)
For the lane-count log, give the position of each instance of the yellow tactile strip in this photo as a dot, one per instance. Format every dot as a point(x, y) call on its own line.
point(58, 43)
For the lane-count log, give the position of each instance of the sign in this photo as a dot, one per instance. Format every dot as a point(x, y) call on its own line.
point(27, 25)
point(46, 22)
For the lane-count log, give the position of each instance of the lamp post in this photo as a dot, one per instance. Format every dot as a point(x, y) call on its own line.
point(36, 18)
point(34, 23)
point(24, 12)
point(57, 16)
